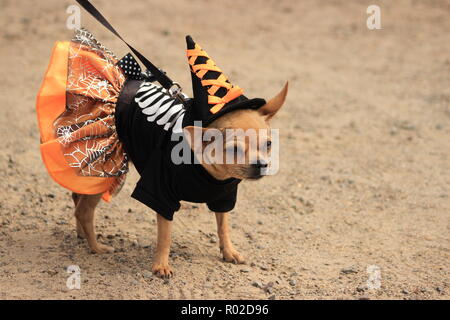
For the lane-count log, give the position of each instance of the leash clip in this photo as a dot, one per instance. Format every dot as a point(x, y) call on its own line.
point(175, 90)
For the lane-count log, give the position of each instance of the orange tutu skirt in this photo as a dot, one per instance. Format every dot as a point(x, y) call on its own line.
point(75, 109)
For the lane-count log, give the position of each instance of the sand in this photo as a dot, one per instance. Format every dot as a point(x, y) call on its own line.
point(365, 145)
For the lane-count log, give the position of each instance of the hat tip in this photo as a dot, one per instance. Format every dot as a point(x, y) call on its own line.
point(190, 42)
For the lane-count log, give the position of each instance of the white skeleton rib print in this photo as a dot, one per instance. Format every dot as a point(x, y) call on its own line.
point(160, 107)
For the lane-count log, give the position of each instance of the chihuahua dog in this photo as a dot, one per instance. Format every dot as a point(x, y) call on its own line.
point(258, 120)
point(96, 113)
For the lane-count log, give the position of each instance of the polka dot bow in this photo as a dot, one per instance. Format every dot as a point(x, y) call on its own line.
point(130, 67)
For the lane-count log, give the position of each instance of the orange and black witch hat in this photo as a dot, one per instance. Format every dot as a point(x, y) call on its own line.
point(214, 94)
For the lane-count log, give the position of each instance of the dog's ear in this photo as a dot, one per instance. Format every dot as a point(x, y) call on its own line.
point(198, 138)
point(273, 105)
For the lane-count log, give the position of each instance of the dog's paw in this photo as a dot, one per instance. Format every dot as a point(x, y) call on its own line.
point(102, 248)
point(162, 270)
point(81, 235)
point(232, 255)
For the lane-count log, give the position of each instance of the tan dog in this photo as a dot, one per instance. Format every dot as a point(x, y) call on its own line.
point(240, 119)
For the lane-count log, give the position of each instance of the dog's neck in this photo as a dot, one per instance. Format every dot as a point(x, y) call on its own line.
point(215, 171)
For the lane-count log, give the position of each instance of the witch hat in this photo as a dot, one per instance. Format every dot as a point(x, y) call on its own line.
point(214, 95)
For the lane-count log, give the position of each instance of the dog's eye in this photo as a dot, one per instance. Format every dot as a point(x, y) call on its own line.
point(268, 144)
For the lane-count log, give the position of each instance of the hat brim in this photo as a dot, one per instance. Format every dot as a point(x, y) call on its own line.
point(240, 103)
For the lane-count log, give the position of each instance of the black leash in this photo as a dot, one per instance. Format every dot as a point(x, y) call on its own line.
point(160, 76)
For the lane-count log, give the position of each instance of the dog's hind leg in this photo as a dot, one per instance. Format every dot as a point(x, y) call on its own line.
point(226, 247)
point(75, 198)
point(84, 214)
point(80, 232)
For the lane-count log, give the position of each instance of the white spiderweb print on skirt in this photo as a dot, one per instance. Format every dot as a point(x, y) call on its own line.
point(86, 130)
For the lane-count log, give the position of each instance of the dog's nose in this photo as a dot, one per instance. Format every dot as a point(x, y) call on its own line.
point(260, 164)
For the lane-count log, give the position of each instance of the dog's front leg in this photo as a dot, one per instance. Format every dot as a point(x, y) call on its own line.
point(226, 247)
point(161, 266)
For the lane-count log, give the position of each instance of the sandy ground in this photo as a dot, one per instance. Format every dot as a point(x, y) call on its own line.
point(365, 139)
